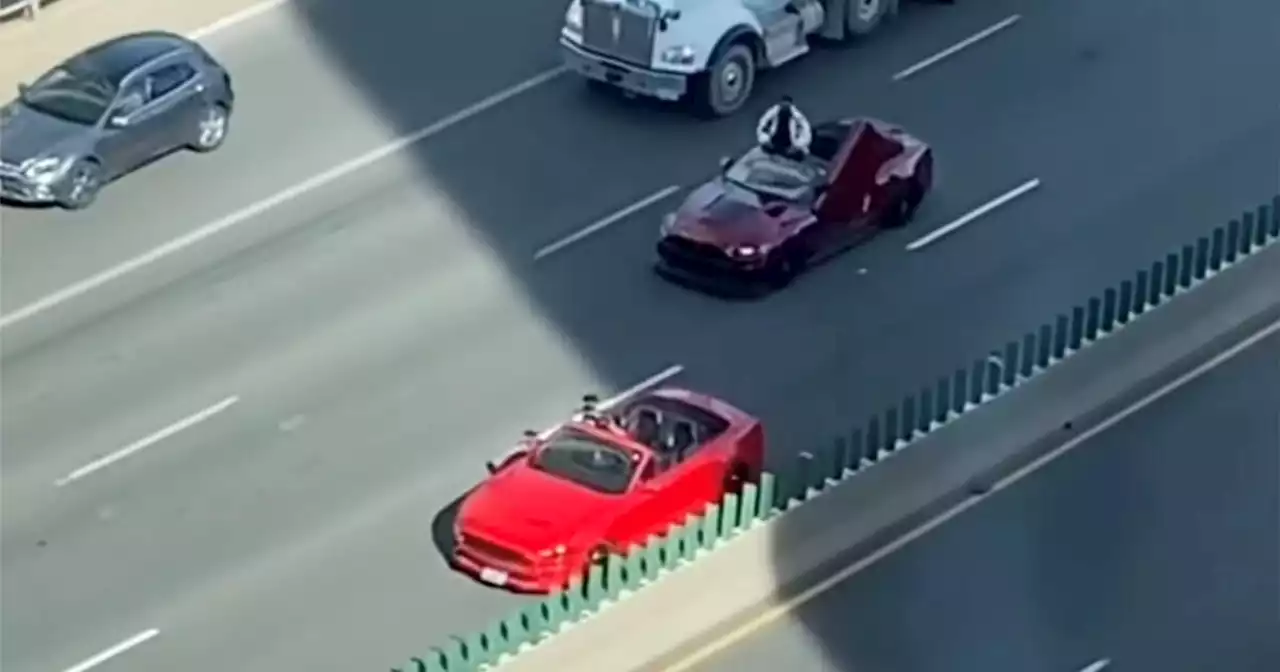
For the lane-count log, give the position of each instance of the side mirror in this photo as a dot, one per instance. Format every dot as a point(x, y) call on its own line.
point(490, 467)
point(725, 164)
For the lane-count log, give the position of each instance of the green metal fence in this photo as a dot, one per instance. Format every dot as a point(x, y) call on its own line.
point(814, 473)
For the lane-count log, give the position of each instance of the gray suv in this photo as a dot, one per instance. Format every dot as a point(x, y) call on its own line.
point(106, 112)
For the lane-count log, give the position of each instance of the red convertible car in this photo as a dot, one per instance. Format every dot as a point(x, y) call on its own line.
point(766, 217)
point(601, 483)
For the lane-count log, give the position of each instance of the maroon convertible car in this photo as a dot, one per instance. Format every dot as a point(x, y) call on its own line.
point(765, 218)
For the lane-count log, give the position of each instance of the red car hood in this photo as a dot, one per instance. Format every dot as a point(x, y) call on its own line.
point(727, 216)
point(532, 511)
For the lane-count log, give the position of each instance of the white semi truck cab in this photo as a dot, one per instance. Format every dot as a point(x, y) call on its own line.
point(704, 51)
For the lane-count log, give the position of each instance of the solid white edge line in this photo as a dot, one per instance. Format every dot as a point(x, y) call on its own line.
point(799, 600)
point(606, 222)
point(114, 651)
point(973, 214)
point(957, 47)
point(149, 440)
point(235, 18)
point(76, 290)
point(1097, 665)
point(652, 381)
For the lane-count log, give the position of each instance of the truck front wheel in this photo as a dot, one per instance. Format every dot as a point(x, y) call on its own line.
point(726, 84)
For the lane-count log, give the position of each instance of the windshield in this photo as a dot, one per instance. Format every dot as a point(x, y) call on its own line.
point(587, 461)
point(774, 176)
point(71, 96)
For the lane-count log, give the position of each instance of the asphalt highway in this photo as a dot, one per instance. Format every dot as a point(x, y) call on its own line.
point(360, 348)
point(1152, 546)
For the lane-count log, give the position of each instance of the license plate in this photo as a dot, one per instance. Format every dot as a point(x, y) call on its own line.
point(494, 576)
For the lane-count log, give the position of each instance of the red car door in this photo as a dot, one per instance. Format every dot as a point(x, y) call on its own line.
point(650, 506)
point(854, 196)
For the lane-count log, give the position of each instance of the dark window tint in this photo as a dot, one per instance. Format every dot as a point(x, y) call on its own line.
point(168, 78)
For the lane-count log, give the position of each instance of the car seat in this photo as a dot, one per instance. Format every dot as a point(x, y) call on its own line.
point(646, 427)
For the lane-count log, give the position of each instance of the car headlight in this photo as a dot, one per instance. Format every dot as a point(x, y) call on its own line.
point(682, 54)
point(44, 170)
point(573, 17)
point(748, 251)
point(555, 552)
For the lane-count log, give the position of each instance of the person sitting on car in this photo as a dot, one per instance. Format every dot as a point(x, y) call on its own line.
point(784, 130)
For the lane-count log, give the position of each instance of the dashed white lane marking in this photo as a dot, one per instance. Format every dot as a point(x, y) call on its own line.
point(1097, 665)
point(950, 228)
point(957, 47)
point(602, 224)
point(790, 604)
point(238, 17)
point(107, 654)
point(149, 440)
point(245, 214)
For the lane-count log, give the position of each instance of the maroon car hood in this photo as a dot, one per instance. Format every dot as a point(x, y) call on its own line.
point(727, 216)
point(531, 510)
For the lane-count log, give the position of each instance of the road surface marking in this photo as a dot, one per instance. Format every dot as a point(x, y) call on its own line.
point(606, 222)
point(148, 441)
point(652, 381)
point(1097, 665)
point(791, 604)
point(104, 656)
point(948, 229)
point(243, 215)
point(957, 47)
point(238, 17)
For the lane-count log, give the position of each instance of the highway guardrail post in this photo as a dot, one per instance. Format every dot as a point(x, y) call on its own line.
point(1141, 292)
point(710, 527)
point(1061, 338)
point(1030, 354)
point(839, 457)
point(1109, 304)
point(455, 653)
point(874, 442)
point(1125, 310)
point(1012, 364)
point(1092, 320)
point(1233, 241)
point(1187, 279)
point(892, 425)
point(748, 507)
point(495, 641)
point(1077, 330)
point(1248, 234)
point(857, 450)
point(930, 408)
point(731, 514)
point(1219, 248)
point(1275, 217)
point(689, 538)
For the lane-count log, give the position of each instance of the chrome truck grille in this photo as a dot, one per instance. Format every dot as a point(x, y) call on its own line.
point(624, 32)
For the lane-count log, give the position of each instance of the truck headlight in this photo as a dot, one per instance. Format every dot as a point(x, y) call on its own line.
point(573, 17)
point(681, 54)
point(44, 170)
